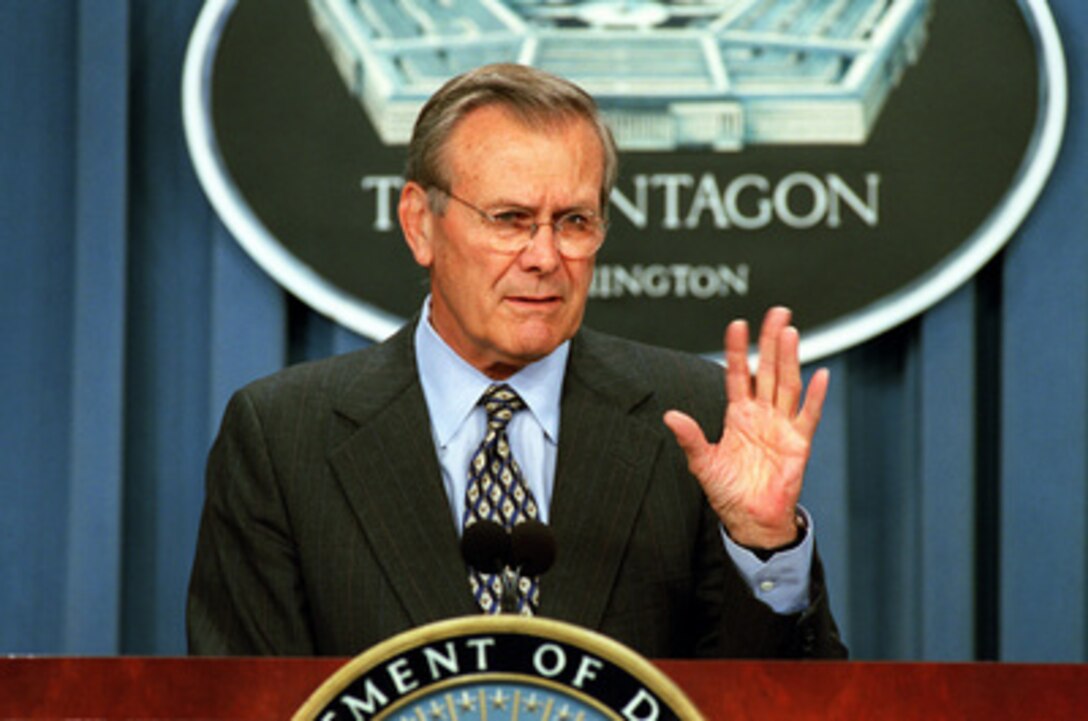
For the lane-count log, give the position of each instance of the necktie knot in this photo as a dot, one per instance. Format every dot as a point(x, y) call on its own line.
point(501, 402)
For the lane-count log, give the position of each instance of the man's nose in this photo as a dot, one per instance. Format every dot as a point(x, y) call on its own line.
point(542, 252)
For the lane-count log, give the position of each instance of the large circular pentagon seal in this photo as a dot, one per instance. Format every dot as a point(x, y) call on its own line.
point(490, 668)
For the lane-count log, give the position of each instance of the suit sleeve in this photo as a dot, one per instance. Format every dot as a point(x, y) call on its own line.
point(245, 593)
point(736, 624)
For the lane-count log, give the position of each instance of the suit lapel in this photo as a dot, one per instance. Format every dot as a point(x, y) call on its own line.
point(390, 474)
point(605, 461)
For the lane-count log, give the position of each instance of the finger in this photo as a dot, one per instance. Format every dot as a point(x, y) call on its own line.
point(689, 436)
point(788, 394)
point(811, 412)
point(776, 319)
point(738, 379)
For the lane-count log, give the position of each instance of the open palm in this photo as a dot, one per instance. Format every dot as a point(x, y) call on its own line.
point(753, 474)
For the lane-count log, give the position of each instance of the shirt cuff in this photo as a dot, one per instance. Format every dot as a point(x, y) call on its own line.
point(782, 581)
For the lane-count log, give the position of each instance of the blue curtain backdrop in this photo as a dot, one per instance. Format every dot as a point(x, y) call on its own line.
point(949, 483)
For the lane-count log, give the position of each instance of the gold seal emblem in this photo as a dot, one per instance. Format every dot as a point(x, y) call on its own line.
point(491, 668)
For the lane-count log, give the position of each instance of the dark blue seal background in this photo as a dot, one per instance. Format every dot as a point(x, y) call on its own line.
point(949, 147)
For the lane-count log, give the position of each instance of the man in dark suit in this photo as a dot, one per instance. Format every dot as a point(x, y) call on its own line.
point(337, 490)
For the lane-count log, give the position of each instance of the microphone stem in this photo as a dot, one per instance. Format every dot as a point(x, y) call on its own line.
point(510, 593)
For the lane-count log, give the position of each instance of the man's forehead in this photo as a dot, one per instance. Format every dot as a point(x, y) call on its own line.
point(481, 141)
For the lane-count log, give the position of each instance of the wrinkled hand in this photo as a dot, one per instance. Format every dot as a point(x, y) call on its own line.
point(752, 476)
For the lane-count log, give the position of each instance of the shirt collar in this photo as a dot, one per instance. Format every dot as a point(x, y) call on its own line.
point(452, 386)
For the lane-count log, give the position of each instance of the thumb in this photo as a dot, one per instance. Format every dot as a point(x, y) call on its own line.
point(688, 434)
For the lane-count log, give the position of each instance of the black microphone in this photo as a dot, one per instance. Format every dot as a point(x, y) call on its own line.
point(485, 545)
point(532, 548)
point(532, 552)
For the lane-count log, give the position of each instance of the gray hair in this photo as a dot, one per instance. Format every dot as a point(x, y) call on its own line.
point(533, 96)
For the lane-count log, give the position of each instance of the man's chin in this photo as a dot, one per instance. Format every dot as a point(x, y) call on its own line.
point(520, 353)
point(533, 343)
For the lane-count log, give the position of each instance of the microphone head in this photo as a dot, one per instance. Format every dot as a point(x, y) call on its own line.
point(485, 545)
point(532, 547)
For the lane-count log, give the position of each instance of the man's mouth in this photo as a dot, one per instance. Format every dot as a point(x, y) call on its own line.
point(533, 301)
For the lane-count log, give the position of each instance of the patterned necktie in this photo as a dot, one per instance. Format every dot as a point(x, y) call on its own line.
point(497, 492)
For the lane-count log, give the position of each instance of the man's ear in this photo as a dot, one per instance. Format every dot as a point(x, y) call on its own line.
point(417, 222)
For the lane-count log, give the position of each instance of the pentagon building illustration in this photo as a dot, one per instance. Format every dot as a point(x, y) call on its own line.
point(668, 75)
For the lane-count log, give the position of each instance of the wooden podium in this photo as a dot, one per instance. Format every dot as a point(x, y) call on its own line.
point(270, 688)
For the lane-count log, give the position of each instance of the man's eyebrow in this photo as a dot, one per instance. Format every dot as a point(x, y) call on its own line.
point(518, 205)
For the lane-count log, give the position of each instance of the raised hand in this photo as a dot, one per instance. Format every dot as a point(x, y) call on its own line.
point(753, 474)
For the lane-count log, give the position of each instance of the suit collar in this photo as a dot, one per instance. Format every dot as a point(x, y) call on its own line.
point(382, 376)
point(611, 368)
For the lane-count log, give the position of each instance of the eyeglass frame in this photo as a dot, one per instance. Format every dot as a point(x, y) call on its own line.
point(525, 239)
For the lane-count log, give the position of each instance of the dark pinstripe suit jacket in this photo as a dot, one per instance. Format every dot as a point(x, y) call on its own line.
point(326, 527)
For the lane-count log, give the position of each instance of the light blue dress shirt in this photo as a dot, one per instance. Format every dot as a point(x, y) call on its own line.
point(452, 388)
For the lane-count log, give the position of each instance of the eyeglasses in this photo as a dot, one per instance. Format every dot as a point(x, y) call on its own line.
point(578, 233)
